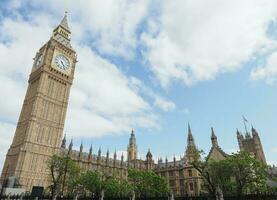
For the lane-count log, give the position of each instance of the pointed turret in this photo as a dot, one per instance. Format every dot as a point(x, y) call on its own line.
point(64, 142)
point(190, 139)
point(122, 159)
point(115, 155)
point(132, 147)
point(240, 139)
point(107, 156)
point(90, 152)
point(64, 22)
point(149, 160)
point(189, 129)
point(99, 154)
point(149, 155)
point(108, 153)
point(214, 138)
point(191, 149)
point(254, 132)
point(238, 134)
point(81, 149)
point(62, 32)
point(132, 140)
point(70, 145)
point(160, 161)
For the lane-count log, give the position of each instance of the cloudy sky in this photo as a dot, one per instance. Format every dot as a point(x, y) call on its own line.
point(152, 66)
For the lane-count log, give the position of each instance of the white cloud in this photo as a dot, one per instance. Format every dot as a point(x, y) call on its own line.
point(17, 49)
point(112, 24)
point(190, 41)
point(158, 101)
point(197, 40)
point(6, 130)
point(164, 104)
point(274, 150)
point(102, 100)
point(268, 72)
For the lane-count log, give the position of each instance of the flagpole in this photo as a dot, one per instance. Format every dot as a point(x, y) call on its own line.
point(244, 122)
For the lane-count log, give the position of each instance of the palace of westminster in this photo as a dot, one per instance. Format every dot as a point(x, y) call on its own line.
point(39, 131)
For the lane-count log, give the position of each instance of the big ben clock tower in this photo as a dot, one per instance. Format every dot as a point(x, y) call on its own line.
point(40, 126)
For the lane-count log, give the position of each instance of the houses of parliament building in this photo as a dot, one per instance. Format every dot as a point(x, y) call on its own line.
point(39, 131)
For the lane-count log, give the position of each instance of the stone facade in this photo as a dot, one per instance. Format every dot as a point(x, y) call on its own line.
point(183, 179)
point(251, 143)
point(40, 127)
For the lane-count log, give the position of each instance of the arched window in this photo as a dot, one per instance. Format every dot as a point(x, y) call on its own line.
point(191, 186)
point(190, 172)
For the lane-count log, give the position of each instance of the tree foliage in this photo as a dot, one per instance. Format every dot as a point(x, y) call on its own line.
point(148, 184)
point(117, 188)
point(64, 173)
point(239, 173)
point(248, 173)
point(91, 181)
point(94, 182)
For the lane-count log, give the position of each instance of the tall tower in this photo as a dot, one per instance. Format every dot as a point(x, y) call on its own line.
point(252, 144)
point(40, 126)
point(149, 160)
point(132, 147)
point(191, 150)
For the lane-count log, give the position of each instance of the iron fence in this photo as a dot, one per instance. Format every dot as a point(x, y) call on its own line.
point(245, 197)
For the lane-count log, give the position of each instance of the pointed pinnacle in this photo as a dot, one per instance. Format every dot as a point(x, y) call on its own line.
point(189, 130)
point(213, 134)
point(64, 22)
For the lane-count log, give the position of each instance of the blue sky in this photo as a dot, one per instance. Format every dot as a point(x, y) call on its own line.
point(152, 66)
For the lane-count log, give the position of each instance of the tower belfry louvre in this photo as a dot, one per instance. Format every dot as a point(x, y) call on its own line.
point(40, 126)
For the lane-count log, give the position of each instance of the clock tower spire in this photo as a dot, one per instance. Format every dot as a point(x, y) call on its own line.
point(39, 130)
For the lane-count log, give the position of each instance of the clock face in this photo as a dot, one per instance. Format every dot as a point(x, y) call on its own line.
point(38, 61)
point(62, 62)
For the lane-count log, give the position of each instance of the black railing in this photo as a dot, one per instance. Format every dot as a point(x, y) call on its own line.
point(245, 197)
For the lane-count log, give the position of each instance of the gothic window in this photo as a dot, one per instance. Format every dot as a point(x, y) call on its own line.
point(191, 186)
point(181, 183)
point(172, 183)
point(181, 174)
point(190, 173)
point(171, 173)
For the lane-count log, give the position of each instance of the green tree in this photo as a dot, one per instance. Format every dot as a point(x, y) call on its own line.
point(248, 173)
point(91, 182)
point(215, 174)
point(117, 188)
point(64, 172)
point(238, 174)
point(147, 184)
